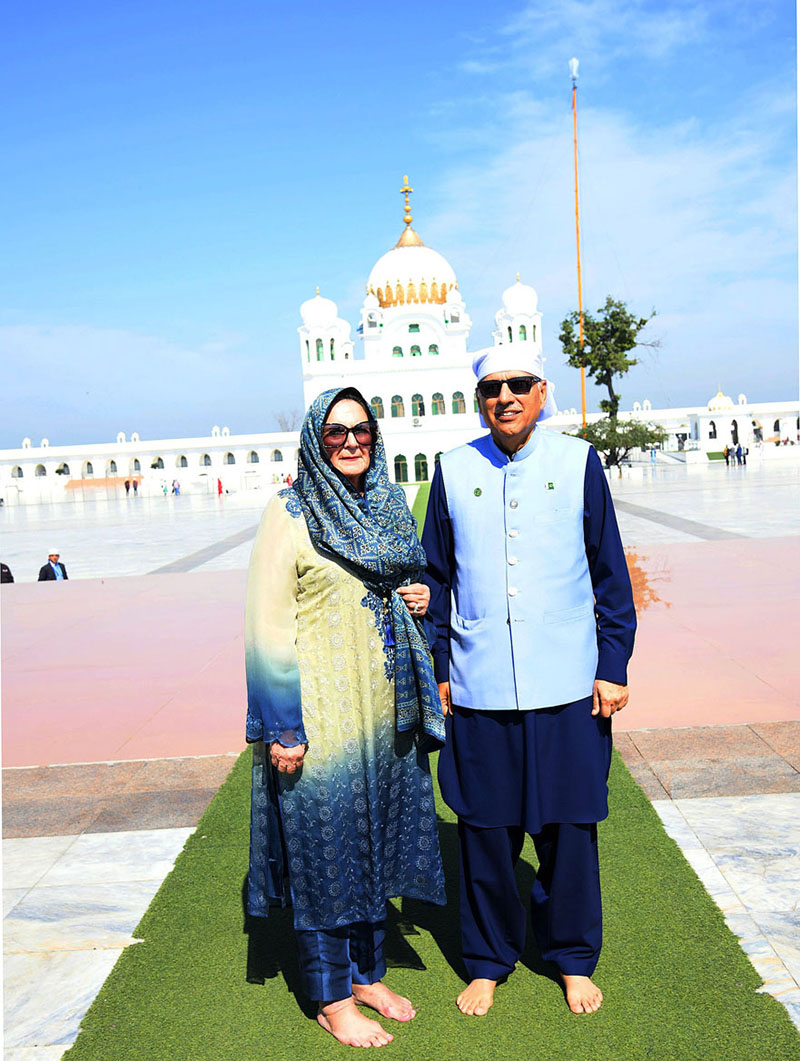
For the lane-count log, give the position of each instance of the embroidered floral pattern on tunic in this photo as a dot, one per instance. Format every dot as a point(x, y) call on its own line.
point(375, 604)
point(358, 818)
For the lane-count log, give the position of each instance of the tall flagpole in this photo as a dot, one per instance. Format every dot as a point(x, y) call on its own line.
point(573, 69)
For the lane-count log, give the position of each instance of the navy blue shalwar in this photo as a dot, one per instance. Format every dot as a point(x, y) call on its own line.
point(543, 772)
point(333, 959)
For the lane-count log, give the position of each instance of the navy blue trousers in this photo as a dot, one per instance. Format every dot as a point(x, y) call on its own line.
point(333, 959)
point(566, 910)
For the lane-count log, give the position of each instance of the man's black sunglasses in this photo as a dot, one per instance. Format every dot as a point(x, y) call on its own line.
point(334, 436)
point(490, 388)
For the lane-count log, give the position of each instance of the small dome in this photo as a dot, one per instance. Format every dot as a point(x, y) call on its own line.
point(720, 403)
point(520, 299)
point(371, 300)
point(319, 311)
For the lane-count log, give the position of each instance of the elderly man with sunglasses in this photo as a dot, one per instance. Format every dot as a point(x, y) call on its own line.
point(534, 626)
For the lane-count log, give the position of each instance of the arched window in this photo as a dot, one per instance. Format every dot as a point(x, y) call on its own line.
point(137, 464)
point(112, 467)
point(510, 334)
point(277, 456)
point(308, 350)
point(417, 405)
point(436, 458)
point(205, 461)
point(333, 351)
point(63, 469)
point(376, 405)
point(88, 470)
point(229, 458)
point(712, 429)
point(433, 349)
point(459, 405)
point(437, 404)
point(735, 432)
point(16, 472)
point(157, 462)
point(397, 351)
point(398, 409)
point(400, 469)
point(40, 471)
point(523, 332)
point(533, 332)
point(776, 427)
point(415, 351)
point(421, 468)
point(475, 403)
point(320, 350)
point(252, 457)
point(182, 462)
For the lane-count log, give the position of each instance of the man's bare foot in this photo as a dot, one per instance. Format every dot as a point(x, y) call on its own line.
point(477, 997)
point(378, 996)
point(583, 996)
point(350, 1026)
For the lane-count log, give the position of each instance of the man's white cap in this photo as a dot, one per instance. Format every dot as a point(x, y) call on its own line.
point(54, 552)
point(508, 358)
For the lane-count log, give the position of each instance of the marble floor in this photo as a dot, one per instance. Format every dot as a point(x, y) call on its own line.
point(712, 735)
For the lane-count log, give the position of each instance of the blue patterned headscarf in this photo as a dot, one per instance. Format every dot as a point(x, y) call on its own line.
point(375, 537)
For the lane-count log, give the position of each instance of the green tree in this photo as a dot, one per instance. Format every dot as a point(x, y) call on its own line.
point(609, 336)
point(614, 439)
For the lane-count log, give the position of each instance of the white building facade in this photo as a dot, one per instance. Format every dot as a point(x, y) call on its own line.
point(416, 373)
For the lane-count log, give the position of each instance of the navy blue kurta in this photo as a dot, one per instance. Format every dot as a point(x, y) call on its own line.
point(531, 768)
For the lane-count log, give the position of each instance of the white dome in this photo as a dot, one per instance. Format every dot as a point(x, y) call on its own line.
point(319, 311)
point(520, 299)
point(410, 262)
point(720, 403)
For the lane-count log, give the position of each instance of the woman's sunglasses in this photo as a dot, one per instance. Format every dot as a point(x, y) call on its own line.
point(490, 388)
point(334, 436)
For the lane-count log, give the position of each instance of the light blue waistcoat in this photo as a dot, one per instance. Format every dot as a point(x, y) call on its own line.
point(523, 633)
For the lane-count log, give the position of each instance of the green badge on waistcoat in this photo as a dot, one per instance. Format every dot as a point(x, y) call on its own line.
point(478, 491)
point(551, 486)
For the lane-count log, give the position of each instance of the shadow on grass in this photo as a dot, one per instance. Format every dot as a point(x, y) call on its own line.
point(271, 950)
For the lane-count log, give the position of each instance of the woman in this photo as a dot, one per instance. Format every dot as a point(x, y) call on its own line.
point(344, 706)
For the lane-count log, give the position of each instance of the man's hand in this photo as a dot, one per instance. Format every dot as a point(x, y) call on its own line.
point(444, 696)
point(287, 760)
point(607, 698)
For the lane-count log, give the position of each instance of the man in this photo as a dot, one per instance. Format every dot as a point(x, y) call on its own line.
point(52, 571)
point(534, 624)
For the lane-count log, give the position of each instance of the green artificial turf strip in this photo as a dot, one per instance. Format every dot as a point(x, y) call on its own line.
point(206, 985)
point(420, 506)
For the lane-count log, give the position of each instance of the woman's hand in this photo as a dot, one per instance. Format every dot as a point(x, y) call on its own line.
point(417, 598)
point(287, 760)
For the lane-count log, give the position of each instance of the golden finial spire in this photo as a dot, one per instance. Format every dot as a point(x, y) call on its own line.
point(317, 288)
point(406, 190)
point(517, 277)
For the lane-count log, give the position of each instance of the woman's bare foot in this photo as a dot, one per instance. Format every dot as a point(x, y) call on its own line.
point(477, 997)
point(350, 1026)
point(583, 996)
point(378, 996)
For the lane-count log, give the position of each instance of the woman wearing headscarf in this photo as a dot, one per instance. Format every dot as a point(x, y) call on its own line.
point(343, 707)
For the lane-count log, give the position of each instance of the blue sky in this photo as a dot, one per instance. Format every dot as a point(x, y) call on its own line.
point(177, 178)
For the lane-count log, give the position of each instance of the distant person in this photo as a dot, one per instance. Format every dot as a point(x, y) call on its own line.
point(745, 451)
point(219, 487)
point(739, 454)
point(52, 571)
point(289, 480)
point(5, 573)
point(127, 487)
point(726, 453)
point(135, 487)
point(176, 488)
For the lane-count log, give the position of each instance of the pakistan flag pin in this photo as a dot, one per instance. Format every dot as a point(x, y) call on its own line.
point(478, 491)
point(551, 486)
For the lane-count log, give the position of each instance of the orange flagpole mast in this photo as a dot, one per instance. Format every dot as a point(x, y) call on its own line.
point(573, 69)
